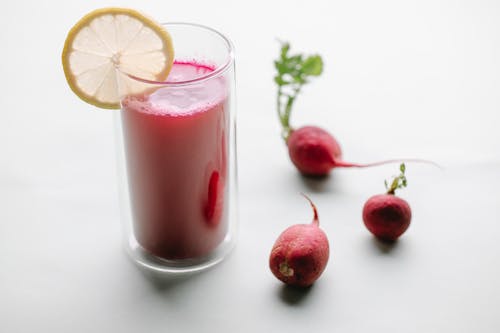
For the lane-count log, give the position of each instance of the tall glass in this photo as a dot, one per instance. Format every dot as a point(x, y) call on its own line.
point(177, 156)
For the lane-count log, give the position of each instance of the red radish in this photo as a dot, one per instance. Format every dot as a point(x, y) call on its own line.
point(385, 215)
point(300, 253)
point(312, 149)
point(315, 152)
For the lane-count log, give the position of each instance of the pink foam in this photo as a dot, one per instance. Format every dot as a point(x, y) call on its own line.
point(182, 100)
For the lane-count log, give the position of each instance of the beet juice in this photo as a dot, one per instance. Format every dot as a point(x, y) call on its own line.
point(176, 150)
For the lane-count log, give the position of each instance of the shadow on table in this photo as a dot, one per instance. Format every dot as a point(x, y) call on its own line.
point(317, 184)
point(294, 295)
point(383, 246)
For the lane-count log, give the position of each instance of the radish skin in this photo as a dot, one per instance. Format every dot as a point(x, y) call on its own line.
point(315, 152)
point(300, 254)
point(387, 216)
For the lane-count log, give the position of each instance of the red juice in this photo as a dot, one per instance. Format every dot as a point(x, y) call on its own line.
point(176, 140)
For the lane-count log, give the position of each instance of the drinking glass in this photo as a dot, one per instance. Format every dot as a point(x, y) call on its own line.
point(176, 143)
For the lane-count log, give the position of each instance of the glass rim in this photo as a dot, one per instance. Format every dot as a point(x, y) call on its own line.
point(219, 70)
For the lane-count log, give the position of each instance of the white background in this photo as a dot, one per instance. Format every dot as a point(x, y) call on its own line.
point(402, 78)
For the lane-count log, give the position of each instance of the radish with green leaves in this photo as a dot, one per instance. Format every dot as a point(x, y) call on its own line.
point(312, 149)
point(385, 215)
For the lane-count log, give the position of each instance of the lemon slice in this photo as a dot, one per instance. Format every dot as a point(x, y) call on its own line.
point(109, 44)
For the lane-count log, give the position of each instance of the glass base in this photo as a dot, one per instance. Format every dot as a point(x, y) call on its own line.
point(146, 260)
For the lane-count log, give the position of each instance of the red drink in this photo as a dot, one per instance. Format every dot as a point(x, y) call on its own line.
point(176, 141)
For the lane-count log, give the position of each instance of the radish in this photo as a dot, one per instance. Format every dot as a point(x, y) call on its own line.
point(313, 150)
point(385, 215)
point(300, 253)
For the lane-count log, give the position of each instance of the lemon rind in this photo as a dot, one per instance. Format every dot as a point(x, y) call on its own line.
point(84, 21)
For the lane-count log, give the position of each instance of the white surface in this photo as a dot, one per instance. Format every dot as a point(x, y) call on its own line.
point(402, 78)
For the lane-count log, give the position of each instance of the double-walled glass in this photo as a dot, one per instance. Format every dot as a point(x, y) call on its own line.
point(177, 156)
